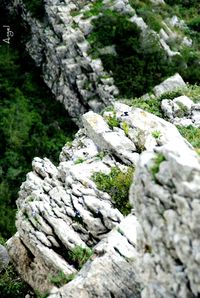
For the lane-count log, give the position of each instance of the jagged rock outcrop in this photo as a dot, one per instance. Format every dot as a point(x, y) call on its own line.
point(61, 208)
point(166, 199)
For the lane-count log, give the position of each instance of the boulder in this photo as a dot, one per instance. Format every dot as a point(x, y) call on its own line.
point(170, 84)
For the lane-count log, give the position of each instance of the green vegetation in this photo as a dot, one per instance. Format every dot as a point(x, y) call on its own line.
point(36, 8)
point(79, 255)
point(79, 160)
point(192, 134)
point(41, 295)
point(156, 134)
point(61, 279)
point(112, 120)
point(156, 166)
point(137, 66)
point(96, 8)
point(32, 124)
point(151, 105)
point(11, 285)
point(153, 20)
point(125, 128)
point(183, 3)
point(117, 185)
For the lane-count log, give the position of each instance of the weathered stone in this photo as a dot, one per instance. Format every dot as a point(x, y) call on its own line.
point(101, 276)
point(169, 85)
point(166, 205)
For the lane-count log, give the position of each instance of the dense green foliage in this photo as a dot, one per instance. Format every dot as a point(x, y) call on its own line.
point(32, 124)
point(137, 66)
point(184, 3)
point(11, 285)
point(117, 185)
point(36, 8)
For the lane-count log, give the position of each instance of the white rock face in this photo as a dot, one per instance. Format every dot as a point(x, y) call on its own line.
point(61, 208)
point(155, 248)
point(117, 249)
point(166, 200)
point(170, 84)
point(182, 111)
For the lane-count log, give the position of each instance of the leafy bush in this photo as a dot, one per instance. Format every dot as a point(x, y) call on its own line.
point(154, 21)
point(117, 185)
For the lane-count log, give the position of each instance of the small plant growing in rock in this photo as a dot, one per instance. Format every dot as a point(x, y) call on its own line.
point(117, 185)
point(79, 255)
point(125, 128)
point(156, 134)
point(112, 120)
point(61, 279)
point(41, 295)
point(79, 160)
point(182, 110)
point(156, 166)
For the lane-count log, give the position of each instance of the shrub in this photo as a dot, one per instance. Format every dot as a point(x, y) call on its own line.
point(138, 65)
point(117, 184)
point(61, 279)
point(112, 120)
point(11, 285)
point(125, 128)
point(79, 255)
point(184, 3)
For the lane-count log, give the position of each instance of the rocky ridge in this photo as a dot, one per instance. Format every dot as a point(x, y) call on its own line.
point(59, 45)
point(61, 208)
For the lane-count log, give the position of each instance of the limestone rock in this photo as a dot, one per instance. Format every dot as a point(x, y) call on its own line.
point(169, 85)
point(101, 277)
point(182, 111)
point(166, 202)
